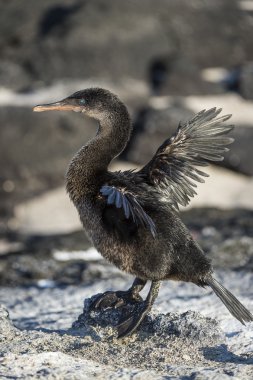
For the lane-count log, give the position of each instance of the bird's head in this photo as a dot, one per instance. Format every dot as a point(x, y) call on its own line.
point(94, 102)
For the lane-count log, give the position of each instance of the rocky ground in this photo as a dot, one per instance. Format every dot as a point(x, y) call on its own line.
point(51, 40)
point(189, 333)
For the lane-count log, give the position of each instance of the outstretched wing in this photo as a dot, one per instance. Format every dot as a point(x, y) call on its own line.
point(173, 168)
point(126, 201)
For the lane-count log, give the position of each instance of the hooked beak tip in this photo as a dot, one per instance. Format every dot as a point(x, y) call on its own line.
point(57, 106)
point(38, 109)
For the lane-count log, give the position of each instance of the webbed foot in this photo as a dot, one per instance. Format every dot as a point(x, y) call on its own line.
point(116, 299)
point(132, 322)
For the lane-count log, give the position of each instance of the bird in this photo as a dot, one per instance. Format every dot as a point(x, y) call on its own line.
point(132, 217)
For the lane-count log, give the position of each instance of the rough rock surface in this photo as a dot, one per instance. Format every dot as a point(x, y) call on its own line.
point(41, 342)
point(49, 40)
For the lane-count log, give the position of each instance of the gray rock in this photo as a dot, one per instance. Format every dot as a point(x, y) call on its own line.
point(35, 151)
point(151, 128)
point(52, 365)
point(13, 75)
point(33, 262)
point(175, 345)
point(7, 329)
point(113, 40)
point(246, 81)
point(225, 235)
point(186, 326)
point(240, 156)
point(161, 340)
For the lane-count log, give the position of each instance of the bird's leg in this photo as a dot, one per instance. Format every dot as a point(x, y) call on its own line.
point(119, 298)
point(130, 324)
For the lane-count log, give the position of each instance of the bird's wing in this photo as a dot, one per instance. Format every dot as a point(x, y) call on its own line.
point(173, 168)
point(126, 201)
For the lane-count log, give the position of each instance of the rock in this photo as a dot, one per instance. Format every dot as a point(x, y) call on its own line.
point(35, 261)
point(40, 161)
point(65, 35)
point(58, 40)
point(7, 329)
point(187, 326)
point(13, 75)
point(151, 127)
point(224, 235)
point(238, 79)
point(157, 343)
point(56, 365)
point(177, 345)
point(246, 81)
point(240, 155)
point(33, 216)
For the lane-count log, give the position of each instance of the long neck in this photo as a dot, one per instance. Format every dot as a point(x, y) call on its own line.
point(94, 157)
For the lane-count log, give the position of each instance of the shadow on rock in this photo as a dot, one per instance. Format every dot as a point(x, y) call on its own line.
point(222, 355)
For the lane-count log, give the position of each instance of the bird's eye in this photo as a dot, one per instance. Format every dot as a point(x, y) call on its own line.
point(82, 101)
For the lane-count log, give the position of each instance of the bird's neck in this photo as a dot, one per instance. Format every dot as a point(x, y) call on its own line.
point(92, 160)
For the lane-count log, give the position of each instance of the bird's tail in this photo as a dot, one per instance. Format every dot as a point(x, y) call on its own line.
point(230, 301)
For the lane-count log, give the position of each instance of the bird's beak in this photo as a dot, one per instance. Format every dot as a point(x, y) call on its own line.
point(63, 105)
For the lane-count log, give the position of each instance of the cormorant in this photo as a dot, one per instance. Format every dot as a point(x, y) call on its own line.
point(131, 216)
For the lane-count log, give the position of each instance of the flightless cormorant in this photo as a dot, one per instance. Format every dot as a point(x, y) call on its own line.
point(131, 217)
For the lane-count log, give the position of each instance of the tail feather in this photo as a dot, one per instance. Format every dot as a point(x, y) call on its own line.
point(230, 301)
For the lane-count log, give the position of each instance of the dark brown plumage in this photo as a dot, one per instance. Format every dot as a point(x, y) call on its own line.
point(131, 217)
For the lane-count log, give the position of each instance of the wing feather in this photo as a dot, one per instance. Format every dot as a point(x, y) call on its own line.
point(121, 198)
point(173, 168)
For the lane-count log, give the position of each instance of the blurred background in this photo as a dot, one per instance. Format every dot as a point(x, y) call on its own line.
point(166, 59)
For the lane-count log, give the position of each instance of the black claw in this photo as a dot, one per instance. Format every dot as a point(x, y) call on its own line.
point(104, 301)
point(137, 298)
point(119, 303)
